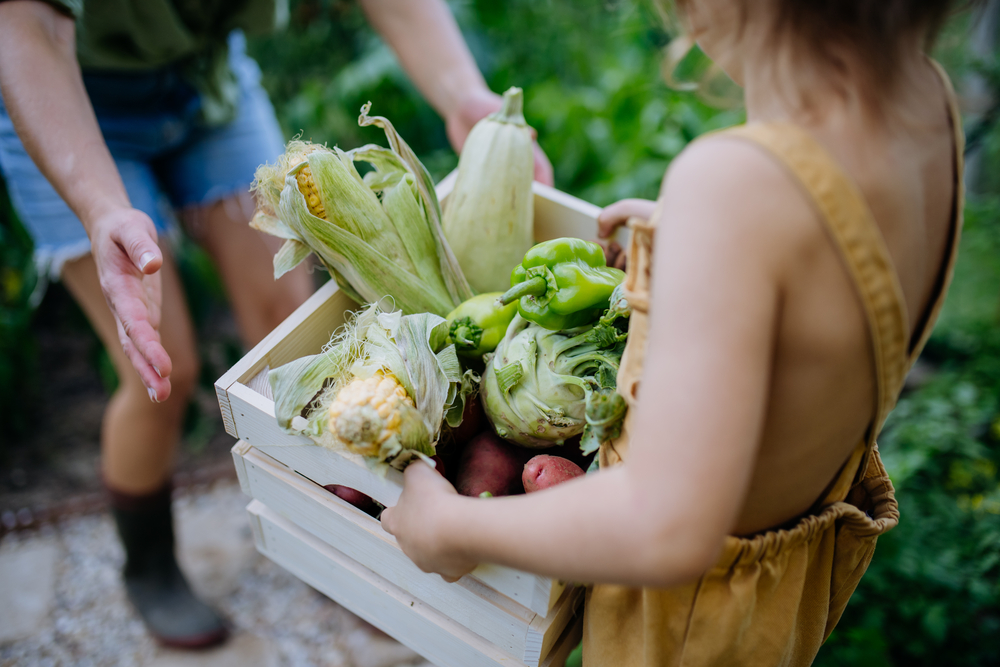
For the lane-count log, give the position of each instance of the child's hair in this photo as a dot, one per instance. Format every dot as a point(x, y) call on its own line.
point(876, 30)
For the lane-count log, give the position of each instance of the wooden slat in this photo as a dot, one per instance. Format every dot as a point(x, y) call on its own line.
point(324, 467)
point(544, 632)
point(496, 618)
point(238, 451)
point(568, 641)
point(254, 420)
point(419, 626)
point(558, 214)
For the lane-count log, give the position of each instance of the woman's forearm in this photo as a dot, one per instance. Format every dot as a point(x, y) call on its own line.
point(430, 48)
point(43, 91)
point(44, 94)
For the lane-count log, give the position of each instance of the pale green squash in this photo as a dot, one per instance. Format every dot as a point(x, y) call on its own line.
point(489, 216)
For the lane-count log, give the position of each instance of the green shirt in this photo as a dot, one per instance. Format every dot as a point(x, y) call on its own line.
point(136, 35)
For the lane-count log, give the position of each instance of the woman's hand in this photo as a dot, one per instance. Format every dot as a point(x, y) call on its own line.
point(419, 523)
point(476, 106)
point(123, 243)
point(613, 217)
point(431, 49)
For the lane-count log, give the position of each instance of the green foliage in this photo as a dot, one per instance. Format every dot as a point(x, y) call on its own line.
point(18, 352)
point(590, 73)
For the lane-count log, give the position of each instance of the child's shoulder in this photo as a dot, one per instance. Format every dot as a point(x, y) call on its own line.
point(734, 190)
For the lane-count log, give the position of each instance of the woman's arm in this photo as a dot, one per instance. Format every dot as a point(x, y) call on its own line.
point(659, 519)
point(431, 49)
point(44, 95)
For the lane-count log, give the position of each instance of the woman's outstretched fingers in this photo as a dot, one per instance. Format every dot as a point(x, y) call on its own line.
point(128, 259)
point(158, 386)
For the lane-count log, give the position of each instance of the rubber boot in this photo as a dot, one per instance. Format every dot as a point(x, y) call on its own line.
point(155, 584)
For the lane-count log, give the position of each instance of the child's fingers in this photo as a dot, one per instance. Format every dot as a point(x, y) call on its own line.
point(613, 253)
point(620, 258)
point(617, 214)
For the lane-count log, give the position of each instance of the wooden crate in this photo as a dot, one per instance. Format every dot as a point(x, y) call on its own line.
point(323, 521)
point(495, 615)
point(429, 632)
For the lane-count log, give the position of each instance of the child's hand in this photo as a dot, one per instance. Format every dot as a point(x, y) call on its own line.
point(613, 217)
point(417, 522)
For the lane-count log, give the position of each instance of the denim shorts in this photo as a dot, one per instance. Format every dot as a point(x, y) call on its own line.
point(166, 157)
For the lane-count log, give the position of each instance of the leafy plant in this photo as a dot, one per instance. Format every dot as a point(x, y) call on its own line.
point(17, 348)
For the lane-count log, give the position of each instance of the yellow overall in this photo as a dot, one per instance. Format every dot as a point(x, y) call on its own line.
point(773, 599)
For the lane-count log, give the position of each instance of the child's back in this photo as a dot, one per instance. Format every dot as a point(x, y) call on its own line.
point(822, 395)
point(807, 252)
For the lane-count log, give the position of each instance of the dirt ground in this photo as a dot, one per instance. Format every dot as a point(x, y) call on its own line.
point(53, 468)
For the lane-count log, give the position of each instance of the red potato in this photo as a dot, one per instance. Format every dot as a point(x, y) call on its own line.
point(353, 496)
point(439, 465)
point(489, 464)
point(473, 419)
point(453, 440)
point(571, 450)
point(544, 471)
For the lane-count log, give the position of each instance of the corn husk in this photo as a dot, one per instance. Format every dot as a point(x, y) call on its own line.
point(379, 237)
point(409, 347)
point(451, 271)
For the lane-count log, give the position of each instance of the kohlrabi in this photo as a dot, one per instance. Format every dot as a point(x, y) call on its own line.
point(536, 385)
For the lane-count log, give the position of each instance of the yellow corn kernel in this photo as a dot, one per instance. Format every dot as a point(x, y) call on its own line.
point(307, 186)
point(367, 412)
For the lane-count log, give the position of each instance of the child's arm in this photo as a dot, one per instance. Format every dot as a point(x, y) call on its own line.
point(660, 518)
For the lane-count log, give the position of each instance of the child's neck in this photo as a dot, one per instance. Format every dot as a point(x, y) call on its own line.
point(774, 92)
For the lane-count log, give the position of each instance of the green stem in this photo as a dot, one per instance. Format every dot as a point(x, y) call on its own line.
point(508, 376)
point(513, 108)
point(467, 338)
point(532, 287)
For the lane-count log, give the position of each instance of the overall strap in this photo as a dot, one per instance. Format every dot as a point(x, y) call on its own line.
point(852, 227)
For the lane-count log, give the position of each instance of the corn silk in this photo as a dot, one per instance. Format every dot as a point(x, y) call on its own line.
point(411, 348)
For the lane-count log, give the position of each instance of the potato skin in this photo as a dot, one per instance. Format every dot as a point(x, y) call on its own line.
point(439, 466)
point(544, 471)
point(353, 496)
point(454, 440)
point(489, 463)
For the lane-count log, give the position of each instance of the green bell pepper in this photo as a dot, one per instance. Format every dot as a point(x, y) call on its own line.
point(562, 284)
point(478, 325)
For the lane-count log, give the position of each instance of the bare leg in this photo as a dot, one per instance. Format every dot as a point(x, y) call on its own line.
point(139, 437)
point(138, 442)
point(243, 257)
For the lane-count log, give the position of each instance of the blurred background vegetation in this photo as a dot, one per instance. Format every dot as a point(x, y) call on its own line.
point(594, 91)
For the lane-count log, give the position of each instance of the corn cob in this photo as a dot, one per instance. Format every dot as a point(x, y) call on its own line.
point(367, 413)
point(307, 186)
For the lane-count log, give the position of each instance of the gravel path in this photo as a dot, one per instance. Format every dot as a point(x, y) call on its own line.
point(61, 602)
